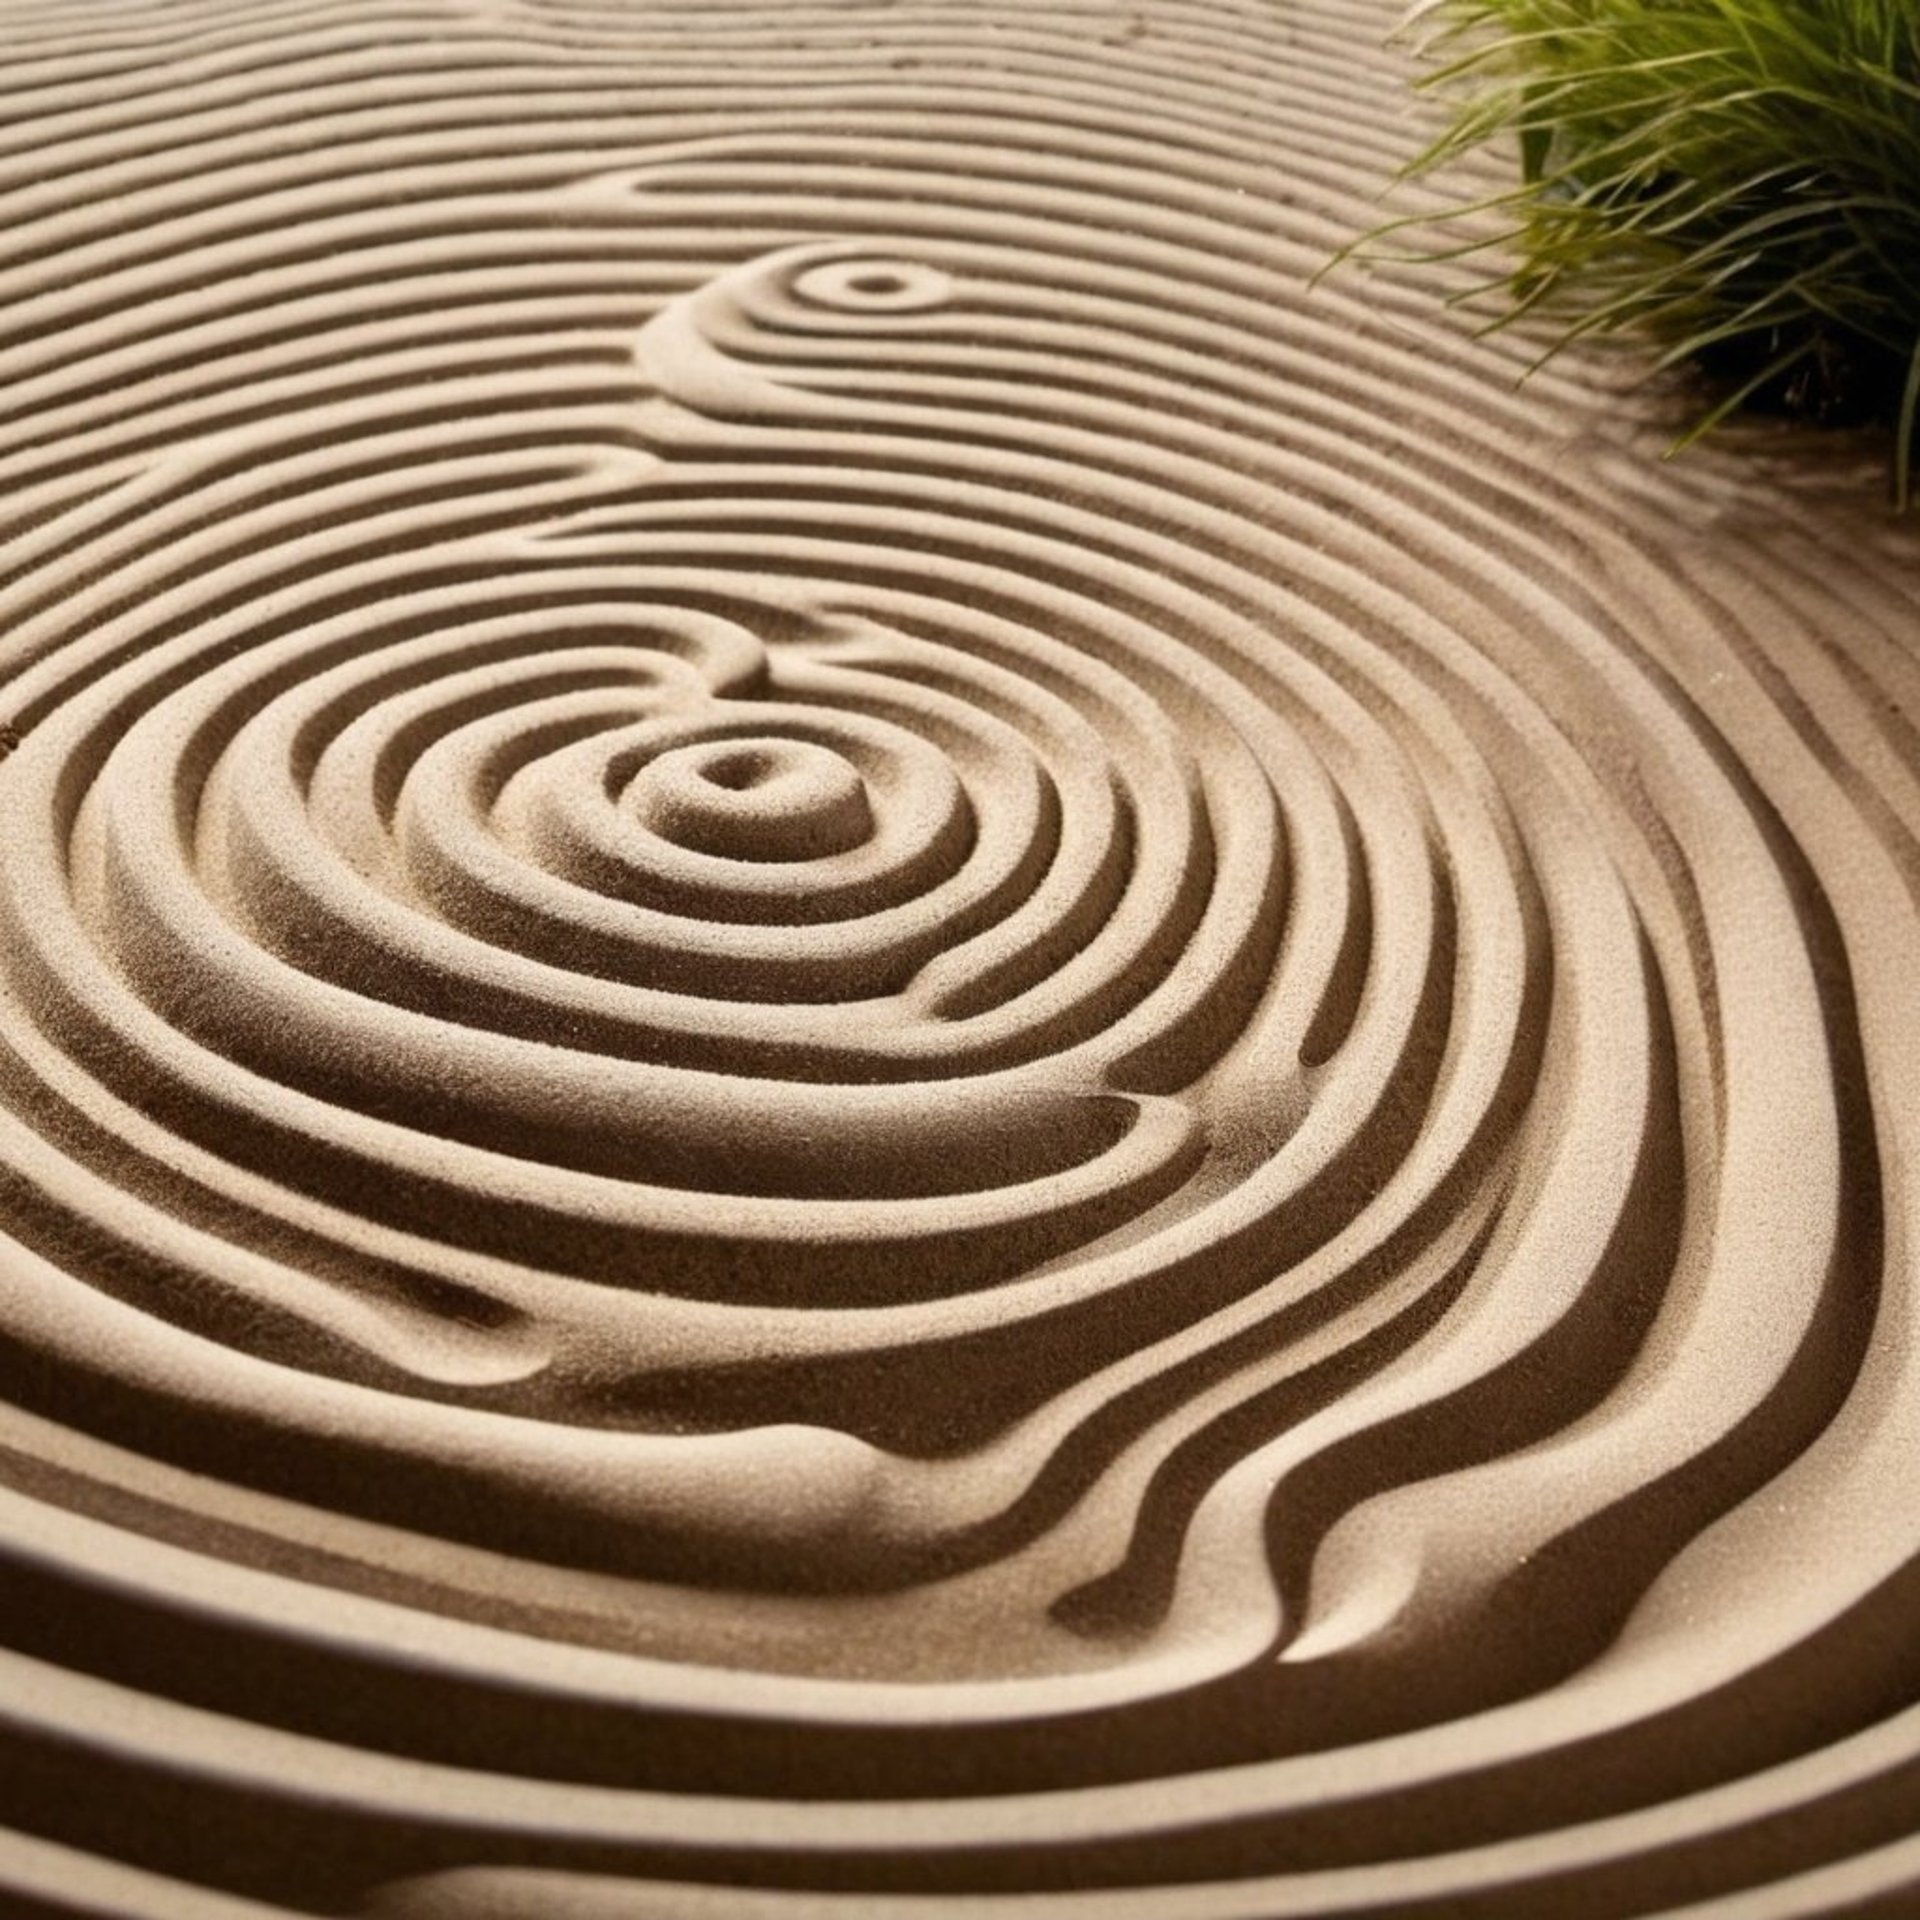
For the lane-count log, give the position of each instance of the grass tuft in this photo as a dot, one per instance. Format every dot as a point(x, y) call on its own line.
point(1738, 178)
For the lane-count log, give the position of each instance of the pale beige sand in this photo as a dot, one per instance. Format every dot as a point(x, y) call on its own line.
point(872, 1043)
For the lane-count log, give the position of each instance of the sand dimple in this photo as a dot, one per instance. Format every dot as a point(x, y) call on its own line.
point(867, 1041)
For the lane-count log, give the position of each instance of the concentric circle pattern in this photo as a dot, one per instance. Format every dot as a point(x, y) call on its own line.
point(873, 1042)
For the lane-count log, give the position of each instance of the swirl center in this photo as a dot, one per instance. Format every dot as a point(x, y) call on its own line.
point(754, 800)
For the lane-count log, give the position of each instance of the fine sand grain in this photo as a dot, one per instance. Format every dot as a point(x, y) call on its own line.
point(873, 1043)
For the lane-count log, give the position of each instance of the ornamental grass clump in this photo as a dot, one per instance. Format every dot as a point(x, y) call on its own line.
point(1738, 178)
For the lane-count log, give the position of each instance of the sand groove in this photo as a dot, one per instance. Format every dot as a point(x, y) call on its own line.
point(866, 1039)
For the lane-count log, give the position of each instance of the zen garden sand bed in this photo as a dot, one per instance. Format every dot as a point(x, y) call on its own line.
point(876, 1041)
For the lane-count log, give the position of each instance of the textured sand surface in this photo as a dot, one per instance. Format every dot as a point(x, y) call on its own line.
point(872, 1043)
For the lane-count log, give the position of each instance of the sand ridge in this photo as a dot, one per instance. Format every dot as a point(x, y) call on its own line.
point(868, 1039)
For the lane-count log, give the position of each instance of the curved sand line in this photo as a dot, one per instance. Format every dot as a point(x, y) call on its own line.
point(866, 1040)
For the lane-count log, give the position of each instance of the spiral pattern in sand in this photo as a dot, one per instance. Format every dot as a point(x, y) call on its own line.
point(868, 1040)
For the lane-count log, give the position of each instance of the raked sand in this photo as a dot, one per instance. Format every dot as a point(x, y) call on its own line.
point(872, 1042)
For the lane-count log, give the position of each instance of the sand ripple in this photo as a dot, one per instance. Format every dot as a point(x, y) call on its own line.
point(868, 1040)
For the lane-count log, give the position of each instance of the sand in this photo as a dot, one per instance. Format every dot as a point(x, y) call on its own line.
point(873, 1042)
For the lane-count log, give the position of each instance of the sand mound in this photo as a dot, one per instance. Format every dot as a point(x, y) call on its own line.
point(868, 1040)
